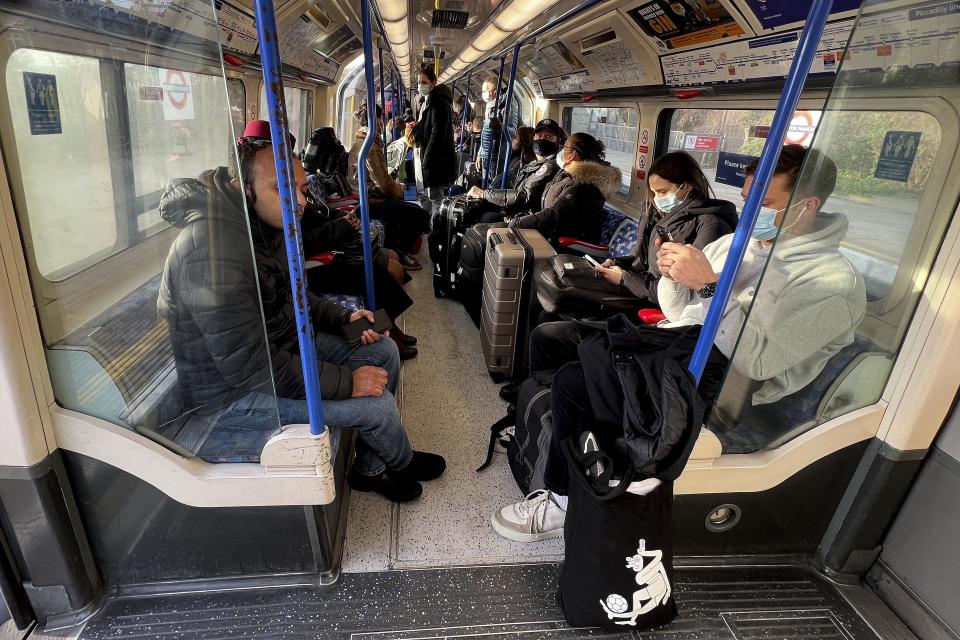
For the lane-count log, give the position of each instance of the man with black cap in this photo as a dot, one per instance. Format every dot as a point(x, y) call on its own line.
point(531, 180)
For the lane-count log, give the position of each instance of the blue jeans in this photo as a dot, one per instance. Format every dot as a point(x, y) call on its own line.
point(382, 442)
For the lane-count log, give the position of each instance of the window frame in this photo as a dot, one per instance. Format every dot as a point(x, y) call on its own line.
point(568, 107)
point(311, 105)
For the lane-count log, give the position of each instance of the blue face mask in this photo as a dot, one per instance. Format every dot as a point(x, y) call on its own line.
point(766, 225)
point(668, 202)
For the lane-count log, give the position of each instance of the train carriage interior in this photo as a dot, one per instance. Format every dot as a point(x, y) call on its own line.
point(818, 499)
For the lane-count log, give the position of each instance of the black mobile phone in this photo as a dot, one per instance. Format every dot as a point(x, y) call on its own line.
point(663, 234)
point(354, 330)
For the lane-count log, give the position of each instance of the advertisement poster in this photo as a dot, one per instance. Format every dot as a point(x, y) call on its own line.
point(237, 29)
point(675, 24)
point(43, 104)
point(778, 13)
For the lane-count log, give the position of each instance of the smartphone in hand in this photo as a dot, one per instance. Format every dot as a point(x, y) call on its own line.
point(354, 330)
point(593, 261)
point(663, 234)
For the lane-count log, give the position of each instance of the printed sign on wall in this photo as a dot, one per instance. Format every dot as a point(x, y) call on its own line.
point(732, 168)
point(897, 154)
point(177, 95)
point(43, 104)
point(675, 24)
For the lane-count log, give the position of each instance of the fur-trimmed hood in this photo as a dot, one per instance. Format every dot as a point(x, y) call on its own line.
point(604, 177)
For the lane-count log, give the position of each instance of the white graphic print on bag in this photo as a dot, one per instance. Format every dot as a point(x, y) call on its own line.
point(654, 587)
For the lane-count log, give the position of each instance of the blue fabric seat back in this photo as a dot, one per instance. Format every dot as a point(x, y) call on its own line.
point(611, 223)
point(354, 303)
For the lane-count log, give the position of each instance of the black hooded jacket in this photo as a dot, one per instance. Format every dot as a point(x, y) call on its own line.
point(530, 182)
point(572, 204)
point(434, 136)
point(698, 222)
point(211, 301)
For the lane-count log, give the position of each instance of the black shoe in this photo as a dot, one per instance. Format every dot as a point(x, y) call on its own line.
point(394, 489)
point(423, 466)
point(406, 353)
point(402, 338)
point(510, 391)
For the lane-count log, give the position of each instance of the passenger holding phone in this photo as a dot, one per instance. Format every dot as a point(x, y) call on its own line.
point(680, 210)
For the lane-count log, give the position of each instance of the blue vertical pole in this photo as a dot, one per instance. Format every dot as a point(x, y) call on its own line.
point(289, 204)
point(365, 150)
point(506, 113)
point(466, 105)
point(799, 68)
point(394, 101)
point(383, 100)
point(496, 102)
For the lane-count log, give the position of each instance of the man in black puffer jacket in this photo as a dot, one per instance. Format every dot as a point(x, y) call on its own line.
point(218, 300)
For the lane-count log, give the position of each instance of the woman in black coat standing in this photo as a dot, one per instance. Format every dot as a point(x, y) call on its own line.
point(433, 136)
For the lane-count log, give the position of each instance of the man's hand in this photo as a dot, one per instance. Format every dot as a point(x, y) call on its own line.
point(369, 381)
point(612, 274)
point(685, 264)
point(475, 192)
point(369, 336)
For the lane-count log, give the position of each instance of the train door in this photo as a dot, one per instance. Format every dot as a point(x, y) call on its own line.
point(112, 478)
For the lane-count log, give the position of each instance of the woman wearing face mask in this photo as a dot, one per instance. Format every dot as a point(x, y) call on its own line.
point(679, 204)
point(531, 179)
point(521, 153)
point(572, 204)
point(433, 136)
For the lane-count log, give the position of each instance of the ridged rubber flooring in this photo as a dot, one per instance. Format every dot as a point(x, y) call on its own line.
point(489, 603)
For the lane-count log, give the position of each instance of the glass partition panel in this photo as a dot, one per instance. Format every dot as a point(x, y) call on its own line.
point(616, 127)
point(122, 162)
point(857, 238)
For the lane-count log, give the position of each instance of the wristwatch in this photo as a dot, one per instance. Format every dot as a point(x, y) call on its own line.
point(708, 290)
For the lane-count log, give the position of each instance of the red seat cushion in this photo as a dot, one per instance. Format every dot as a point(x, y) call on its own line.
point(651, 316)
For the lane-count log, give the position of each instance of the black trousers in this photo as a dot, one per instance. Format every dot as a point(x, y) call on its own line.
point(553, 345)
point(404, 222)
point(348, 278)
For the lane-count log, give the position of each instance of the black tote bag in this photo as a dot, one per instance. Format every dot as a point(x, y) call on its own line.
point(618, 568)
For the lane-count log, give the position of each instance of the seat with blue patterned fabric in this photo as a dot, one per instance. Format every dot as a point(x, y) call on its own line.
point(354, 303)
point(618, 236)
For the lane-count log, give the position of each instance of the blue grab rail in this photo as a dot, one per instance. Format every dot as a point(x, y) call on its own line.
point(589, 4)
point(283, 159)
point(496, 101)
point(799, 68)
point(383, 99)
point(365, 150)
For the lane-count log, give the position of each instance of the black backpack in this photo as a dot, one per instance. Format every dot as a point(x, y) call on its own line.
point(527, 431)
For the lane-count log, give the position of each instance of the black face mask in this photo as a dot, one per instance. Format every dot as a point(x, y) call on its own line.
point(544, 148)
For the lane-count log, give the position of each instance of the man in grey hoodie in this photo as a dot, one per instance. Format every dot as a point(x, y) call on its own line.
point(811, 298)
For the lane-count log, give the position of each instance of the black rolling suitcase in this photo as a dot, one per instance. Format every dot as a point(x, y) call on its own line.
point(469, 270)
point(451, 219)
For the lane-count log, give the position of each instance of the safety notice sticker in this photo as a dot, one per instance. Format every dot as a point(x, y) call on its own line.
point(897, 155)
point(43, 104)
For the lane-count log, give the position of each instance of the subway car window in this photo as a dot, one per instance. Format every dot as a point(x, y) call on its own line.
point(873, 186)
point(75, 224)
point(616, 127)
point(724, 141)
point(299, 111)
point(171, 138)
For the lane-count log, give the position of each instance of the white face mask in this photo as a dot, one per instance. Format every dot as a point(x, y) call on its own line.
point(424, 89)
point(560, 162)
point(486, 96)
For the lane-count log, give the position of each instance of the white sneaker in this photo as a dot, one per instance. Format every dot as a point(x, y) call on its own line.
point(536, 517)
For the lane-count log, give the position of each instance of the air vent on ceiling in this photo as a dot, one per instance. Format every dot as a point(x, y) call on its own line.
point(597, 40)
point(451, 14)
point(428, 54)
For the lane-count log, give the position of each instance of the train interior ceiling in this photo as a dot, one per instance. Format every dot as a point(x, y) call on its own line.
point(830, 512)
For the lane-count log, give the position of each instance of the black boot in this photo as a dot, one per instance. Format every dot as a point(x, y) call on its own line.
point(402, 338)
point(391, 487)
point(423, 466)
point(406, 353)
point(509, 392)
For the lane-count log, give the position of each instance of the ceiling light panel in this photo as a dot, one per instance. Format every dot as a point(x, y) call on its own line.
point(521, 12)
point(392, 10)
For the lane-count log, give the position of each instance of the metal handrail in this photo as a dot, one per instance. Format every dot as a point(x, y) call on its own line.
point(496, 101)
point(589, 4)
point(799, 69)
point(283, 160)
point(383, 99)
point(365, 151)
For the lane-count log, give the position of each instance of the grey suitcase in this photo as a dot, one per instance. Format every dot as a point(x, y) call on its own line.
point(507, 283)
